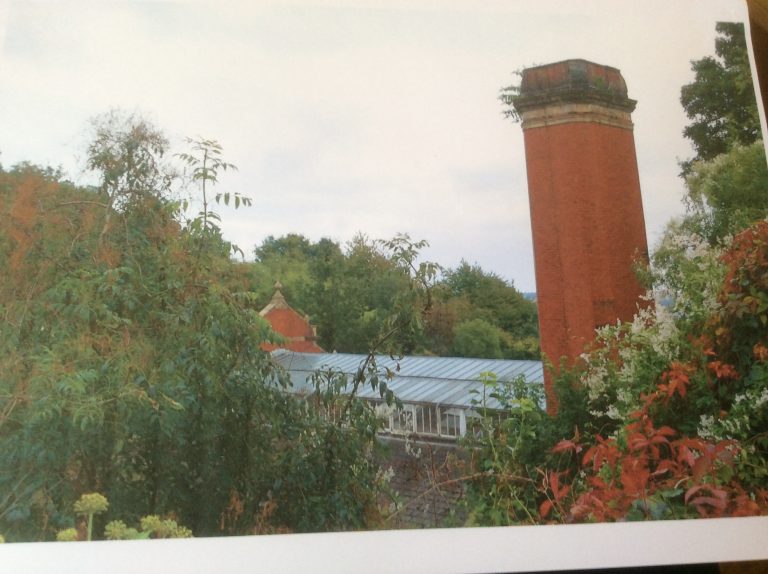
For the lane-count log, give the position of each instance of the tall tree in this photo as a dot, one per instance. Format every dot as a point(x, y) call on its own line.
point(720, 102)
point(727, 180)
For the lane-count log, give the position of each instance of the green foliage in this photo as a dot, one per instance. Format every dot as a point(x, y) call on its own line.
point(330, 462)
point(677, 398)
point(67, 535)
point(729, 192)
point(89, 505)
point(727, 180)
point(118, 530)
point(494, 299)
point(720, 102)
point(347, 293)
point(350, 292)
point(130, 351)
point(738, 335)
point(93, 503)
point(489, 298)
point(152, 526)
point(507, 96)
point(477, 338)
point(205, 163)
point(507, 445)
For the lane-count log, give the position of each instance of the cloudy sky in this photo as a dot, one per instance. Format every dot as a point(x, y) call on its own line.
point(345, 117)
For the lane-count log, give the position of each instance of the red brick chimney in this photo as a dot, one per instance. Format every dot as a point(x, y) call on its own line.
point(586, 211)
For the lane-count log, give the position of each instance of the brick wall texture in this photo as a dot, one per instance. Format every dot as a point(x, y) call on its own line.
point(588, 226)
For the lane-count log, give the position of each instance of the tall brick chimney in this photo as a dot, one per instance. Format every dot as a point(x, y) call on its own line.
point(586, 211)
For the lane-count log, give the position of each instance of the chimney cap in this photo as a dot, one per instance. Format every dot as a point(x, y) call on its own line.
point(571, 81)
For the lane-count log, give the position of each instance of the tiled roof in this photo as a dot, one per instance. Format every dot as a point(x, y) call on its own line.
point(295, 328)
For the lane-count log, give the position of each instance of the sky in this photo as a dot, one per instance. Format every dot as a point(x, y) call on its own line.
point(349, 117)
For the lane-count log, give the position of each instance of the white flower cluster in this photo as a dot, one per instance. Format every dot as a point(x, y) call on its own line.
point(410, 451)
point(706, 428)
point(690, 270)
point(385, 476)
point(762, 399)
point(688, 275)
point(652, 337)
point(383, 411)
point(738, 424)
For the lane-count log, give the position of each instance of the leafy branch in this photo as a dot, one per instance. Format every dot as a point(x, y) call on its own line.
point(206, 163)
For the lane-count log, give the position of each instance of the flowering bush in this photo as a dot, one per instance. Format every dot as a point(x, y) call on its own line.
point(677, 397)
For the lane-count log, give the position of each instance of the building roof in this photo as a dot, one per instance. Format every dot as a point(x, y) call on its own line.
point(445, 381)
point(295, 328)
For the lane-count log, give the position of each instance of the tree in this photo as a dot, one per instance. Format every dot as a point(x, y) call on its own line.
point(477, 338)
point(285, 259)
point(498, 303)
point(373, 285)
point(720, 102)
point(349, 293)
point(130, 348)
point(727, 180)
point(328, 294)
point(728, 193)
point(206, 162)
point(133, 363)
point(440, 324)
point(127, 153)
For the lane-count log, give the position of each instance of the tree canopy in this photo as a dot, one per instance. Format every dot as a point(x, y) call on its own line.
point(130, 350)
point(728, 193)
point(720, 102)
point(727, 179)
point(348, 291)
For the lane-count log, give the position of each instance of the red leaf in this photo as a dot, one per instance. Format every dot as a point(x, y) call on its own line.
point(676, 380)
point(554, 482)
point(589, 456)
point(637, 441)
point(663, 467)
point(723, 370)
point(717, 501)
point(565, 446)
point(700, 467)
point(634, 478)
point(545, 508)
point(693, 490)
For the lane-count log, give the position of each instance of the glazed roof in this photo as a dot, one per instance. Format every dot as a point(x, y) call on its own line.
point(446, 381)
